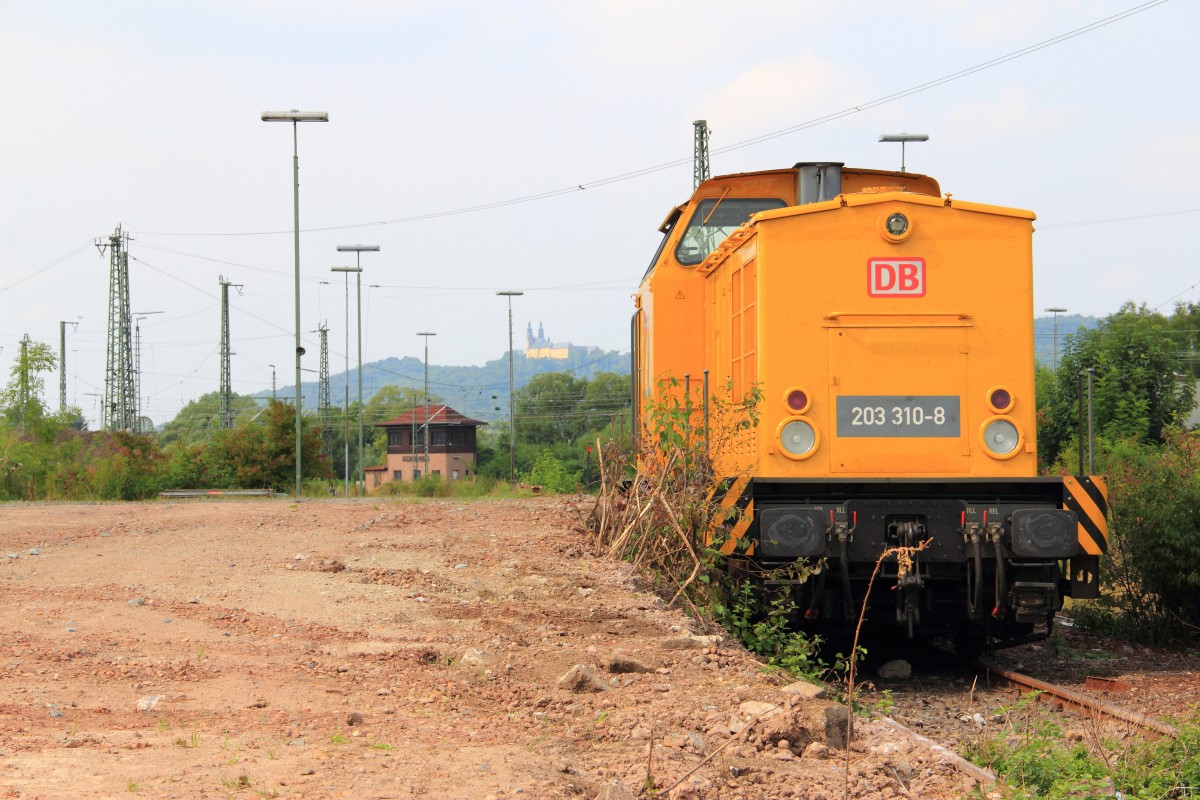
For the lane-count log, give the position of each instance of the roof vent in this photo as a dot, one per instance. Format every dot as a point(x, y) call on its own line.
point(818, 181)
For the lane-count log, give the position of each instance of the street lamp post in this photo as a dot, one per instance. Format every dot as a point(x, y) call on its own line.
point(346, 414)
point(358, 250)
point(1055, 311)
point(903, 139)
point(425, 424)
point(294, 116)
point(512, 430)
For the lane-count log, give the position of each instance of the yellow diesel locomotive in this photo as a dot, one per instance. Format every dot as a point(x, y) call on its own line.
point(888, 329)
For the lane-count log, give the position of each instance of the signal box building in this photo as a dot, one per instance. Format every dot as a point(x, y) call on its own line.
point(452, 451)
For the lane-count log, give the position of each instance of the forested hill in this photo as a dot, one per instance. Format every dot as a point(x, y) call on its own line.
point(478, 392)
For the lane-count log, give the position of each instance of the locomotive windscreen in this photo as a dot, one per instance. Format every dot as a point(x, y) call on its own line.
point(713, 221)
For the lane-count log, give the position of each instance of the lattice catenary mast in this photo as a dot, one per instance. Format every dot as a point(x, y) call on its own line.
point(700, 159)
point(119, 410)
point(226, 383)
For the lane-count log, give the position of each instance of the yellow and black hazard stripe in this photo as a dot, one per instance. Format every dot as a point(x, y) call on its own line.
point(736, 500)
point(1087, 496)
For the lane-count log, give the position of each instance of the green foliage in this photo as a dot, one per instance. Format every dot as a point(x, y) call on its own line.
point(257, 455)
point(200, 418)
point(770, 632)
point(1137, 392)
point(1152, 570)
point(1038, 761)
point(434, 486)
point(562, 415)
point(548, 409)
point(21, 399)
point(551, 474)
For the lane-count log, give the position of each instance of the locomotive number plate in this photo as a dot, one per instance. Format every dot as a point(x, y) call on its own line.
point(897, 416)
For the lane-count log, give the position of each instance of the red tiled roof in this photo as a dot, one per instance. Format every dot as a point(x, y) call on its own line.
point(440, 414)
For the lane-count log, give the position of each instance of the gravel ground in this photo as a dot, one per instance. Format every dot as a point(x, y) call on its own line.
point(955, 707)
point(385, 649)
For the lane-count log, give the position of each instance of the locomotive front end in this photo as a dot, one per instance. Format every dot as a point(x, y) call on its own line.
point(891, 335)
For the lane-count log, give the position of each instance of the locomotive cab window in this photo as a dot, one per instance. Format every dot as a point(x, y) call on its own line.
point(713, 221)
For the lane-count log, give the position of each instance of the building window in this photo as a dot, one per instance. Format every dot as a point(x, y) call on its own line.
point(397, 475)
point(453, 474)
point(438, 436)
point(395, 438)
point(416, 474)
point(457, 437)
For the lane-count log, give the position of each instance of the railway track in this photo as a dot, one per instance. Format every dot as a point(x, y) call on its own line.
point(937, 712)
point(1081, 702)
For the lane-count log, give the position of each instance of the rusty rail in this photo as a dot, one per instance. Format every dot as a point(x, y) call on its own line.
point(1082, 702)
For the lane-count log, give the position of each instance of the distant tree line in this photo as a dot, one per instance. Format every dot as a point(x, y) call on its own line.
point(1142, 367)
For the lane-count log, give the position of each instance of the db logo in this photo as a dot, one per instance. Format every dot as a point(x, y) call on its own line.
point(896, 277)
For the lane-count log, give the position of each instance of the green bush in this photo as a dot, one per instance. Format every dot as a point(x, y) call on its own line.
point(1152, 570)
point(552, 475)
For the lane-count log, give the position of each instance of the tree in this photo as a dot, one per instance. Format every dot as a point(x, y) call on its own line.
point(1138, 385)
point(22, 397)
point(547, 409)
point(255, 455)
point(200, 418)
point(605, 397)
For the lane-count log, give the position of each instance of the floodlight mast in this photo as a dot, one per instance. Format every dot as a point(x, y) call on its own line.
point(295, 116)
point(358, 250)
point(903, 139)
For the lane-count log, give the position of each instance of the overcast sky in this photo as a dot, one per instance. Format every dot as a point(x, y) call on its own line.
point(147, 115)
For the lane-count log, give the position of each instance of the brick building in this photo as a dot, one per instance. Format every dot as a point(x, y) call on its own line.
point(452, 451)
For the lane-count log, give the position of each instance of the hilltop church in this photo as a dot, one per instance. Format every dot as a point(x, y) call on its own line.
point(541, 347)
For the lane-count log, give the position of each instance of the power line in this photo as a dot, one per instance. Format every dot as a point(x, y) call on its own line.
point(638, 173)
point(1117, 219)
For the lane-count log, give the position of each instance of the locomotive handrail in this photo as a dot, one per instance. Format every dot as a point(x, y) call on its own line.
point(908, 319)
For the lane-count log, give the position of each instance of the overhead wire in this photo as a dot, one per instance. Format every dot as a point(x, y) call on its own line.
point(643, 171)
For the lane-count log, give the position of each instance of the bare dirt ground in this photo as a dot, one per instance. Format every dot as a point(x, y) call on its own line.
point(370, 649)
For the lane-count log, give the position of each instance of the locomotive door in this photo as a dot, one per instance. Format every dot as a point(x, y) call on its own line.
point(895, 395)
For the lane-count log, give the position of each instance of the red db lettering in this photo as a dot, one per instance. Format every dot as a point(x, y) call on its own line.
point(896, 277)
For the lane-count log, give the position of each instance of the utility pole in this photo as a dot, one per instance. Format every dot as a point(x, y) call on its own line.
point(1055, 311)
point(226, 383)
point(137, 363)
point(62, 362)
point(119, 409)
point(23, 390)
point(272, 366)
point(700, 166)
point(323, 403)
point(512, 428)
point(425, 425)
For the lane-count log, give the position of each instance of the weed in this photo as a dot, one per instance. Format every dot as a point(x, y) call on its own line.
point(381, 746)
point(884, 705)
point(132, 786)
point(338, 738)
point(163, 725)
point(272, 755)
point(72, 729)
point(192, 741)
point(201, 652)
point(240, 782)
